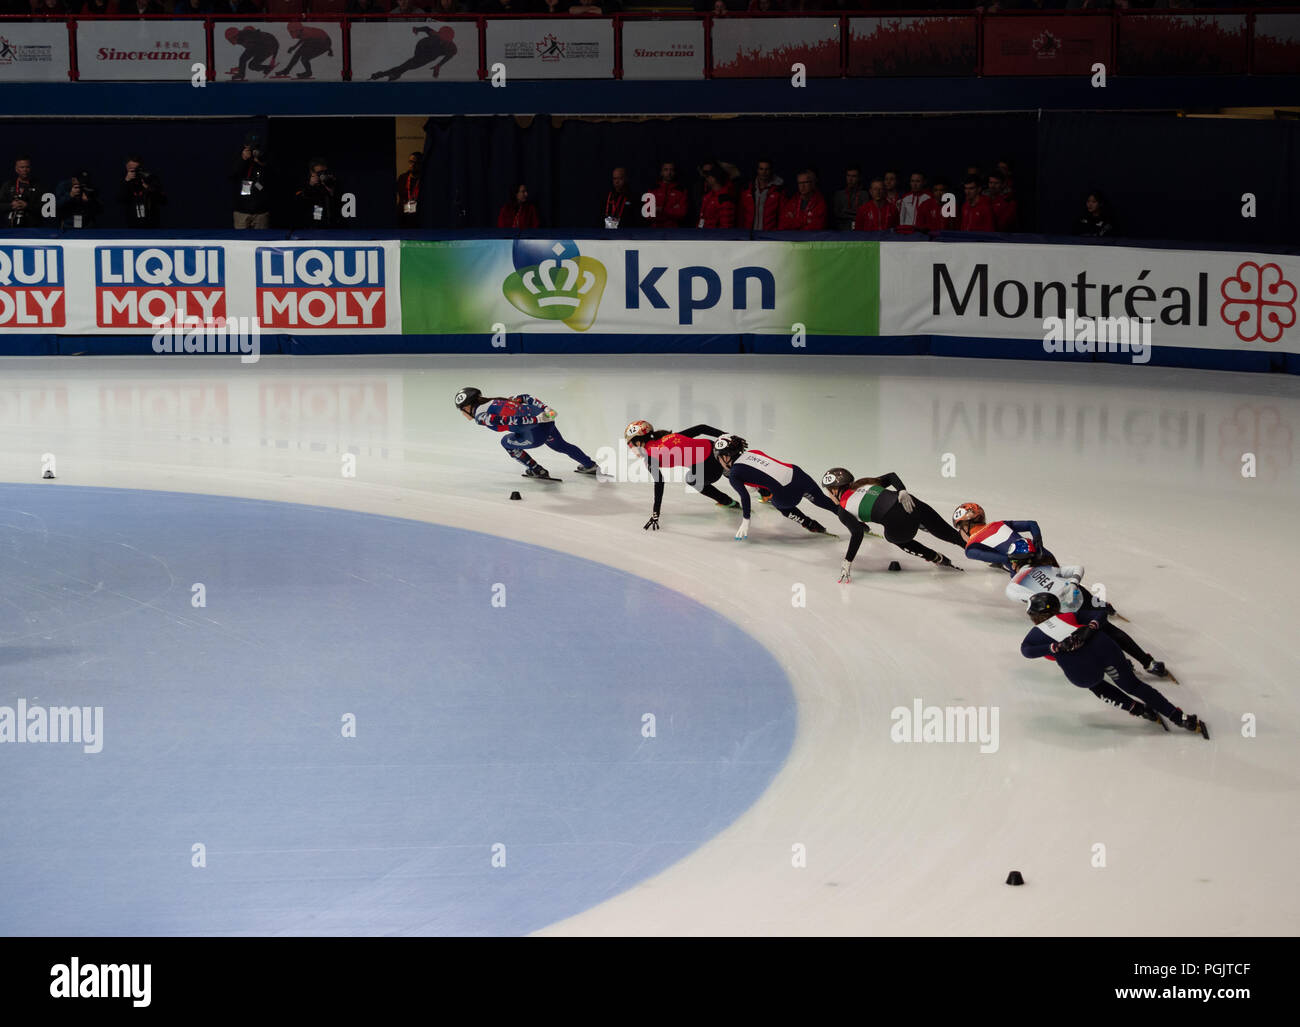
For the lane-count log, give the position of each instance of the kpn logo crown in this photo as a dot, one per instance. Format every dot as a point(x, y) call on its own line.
point(553, 281)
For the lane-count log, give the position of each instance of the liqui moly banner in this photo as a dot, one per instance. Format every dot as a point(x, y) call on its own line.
point(663, 49)
point(278, 51)
point(414, 51)
point(121, 287)
point(1185, 298)
point(33, 51)
point(552, 47)
point(31, 288)
point(142, 51)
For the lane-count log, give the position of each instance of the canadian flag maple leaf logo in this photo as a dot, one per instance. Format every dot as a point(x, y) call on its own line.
point(1046, 45)
point(1259, 302)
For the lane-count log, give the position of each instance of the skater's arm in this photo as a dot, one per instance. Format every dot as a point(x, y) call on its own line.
point(658, 479)
point(696, 430)
point(856, 532)
point(1036, 645)
point(738, 484)
point(987, 554)
point(1029, 526)
point(889, 481)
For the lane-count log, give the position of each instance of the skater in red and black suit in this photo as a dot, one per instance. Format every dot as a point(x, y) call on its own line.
point(683, 448)
point(527, 422)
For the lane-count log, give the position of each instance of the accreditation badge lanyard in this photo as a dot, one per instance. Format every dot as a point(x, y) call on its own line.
point(412, 195)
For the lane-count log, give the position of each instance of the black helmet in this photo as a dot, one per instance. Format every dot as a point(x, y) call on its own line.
point(729, 445)
point(1043, 605)
point(468, 395)
point(837, 478)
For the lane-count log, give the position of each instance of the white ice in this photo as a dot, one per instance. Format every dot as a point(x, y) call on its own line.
point(1135, 472)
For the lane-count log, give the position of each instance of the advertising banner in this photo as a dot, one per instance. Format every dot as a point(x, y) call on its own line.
point(1182, 44)
point(566, 286)
point(1066, 44)
point(33, 51)
point(1196, 300)
point(552, 47)
point(770, 47)
point(125, 287)
point(270, 51)
point(663, 49)
point(414, 51)
point(913, 46)
point(139, 51)
point(1277, 44)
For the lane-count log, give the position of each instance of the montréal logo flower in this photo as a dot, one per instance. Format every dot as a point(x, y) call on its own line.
point(1259, 303)
point(553, 281)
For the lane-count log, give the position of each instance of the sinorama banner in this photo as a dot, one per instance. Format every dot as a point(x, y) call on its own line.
point(386, 51)
point(33, 52)
point(141, 51)
point(675, 288)
point(123, 287)
point(1195, 300)
point(663, 49)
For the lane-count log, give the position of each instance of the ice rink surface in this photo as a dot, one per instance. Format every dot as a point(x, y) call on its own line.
point(1118, 827)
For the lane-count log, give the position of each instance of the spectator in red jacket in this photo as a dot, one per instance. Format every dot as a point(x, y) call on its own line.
point(519, 212)
point(805, 211)
point(718, 207)
point(877, 214)
point(932, 219)
point(912, 207)
point(977, 211)
point(670, 200)
point(1002, 202)
point(891, 187)
point(760, 203)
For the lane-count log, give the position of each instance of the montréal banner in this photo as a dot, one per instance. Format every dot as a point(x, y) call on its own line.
point(678, 288)
point(271, 51)
point(33, 51)
point(126, 287)
point(1193, 299)
point(140, 51)
point(551, 47)
point(414, 51)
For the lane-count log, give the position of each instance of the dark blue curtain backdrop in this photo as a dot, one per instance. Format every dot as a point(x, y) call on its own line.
point(1167, 177)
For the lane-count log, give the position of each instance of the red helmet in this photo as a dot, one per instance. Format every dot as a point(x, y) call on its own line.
point(232, 34)
point(637, 430)
point(447, 33)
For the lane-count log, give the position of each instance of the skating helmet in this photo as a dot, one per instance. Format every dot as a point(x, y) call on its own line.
point(637, 430)
point(1042, 606)
point(837, 478)
point(467, 395)
point(729, 445)
point(447, 33)
point(232, 34)
point(968, 513)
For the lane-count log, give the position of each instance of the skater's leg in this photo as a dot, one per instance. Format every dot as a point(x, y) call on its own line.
point(1121, 675)
point(929, 520)
point(555, 441)
point(1127, 643)
point(701, 478)
point(900, 529)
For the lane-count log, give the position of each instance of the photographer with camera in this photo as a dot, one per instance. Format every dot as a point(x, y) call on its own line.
point(20, 197)
point(251, 180)
point(318, 200)
point(78, 202)
point(141, 195)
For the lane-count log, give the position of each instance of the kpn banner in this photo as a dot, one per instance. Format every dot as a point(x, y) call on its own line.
point(655, 287)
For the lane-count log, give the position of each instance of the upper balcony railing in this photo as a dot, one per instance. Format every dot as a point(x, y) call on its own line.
point(464, 48)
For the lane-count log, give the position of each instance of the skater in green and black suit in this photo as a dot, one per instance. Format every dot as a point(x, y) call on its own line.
point(886, 501)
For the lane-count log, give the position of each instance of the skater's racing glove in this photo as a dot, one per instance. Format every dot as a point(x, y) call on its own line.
point(908, 500)
point(653, 523)
point(546, 415)
point(845, 572)
point(742, 532)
